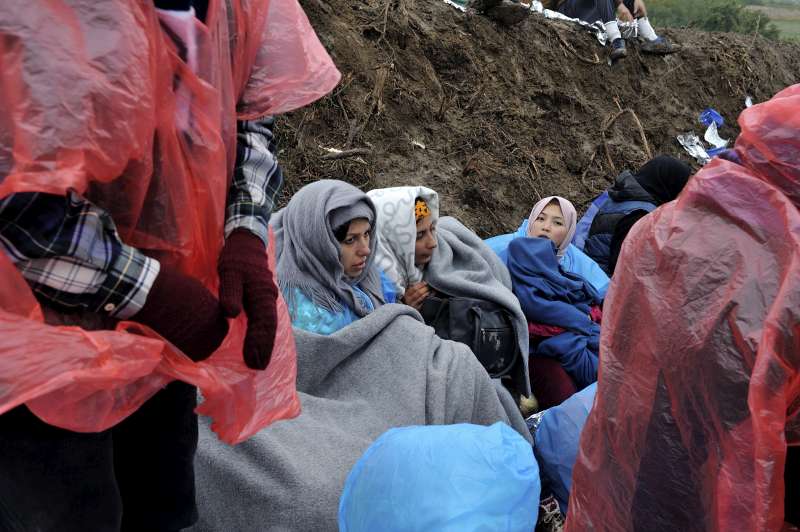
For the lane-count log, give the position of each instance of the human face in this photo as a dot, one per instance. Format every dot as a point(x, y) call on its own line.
point(426, 241)
point(550, 224)
point(355, 247)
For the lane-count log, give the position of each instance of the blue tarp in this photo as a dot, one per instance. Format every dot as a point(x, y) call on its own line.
point(557, 439)
point(444, 478)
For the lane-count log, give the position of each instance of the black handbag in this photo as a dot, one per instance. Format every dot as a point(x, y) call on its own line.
point(483, 326)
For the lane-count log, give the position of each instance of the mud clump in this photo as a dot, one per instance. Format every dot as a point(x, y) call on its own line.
point(494, 118)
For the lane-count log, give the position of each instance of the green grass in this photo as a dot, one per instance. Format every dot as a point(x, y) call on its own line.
point(772, 2)
point(786, 18)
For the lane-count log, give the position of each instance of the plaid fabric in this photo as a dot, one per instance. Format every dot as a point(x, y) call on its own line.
point(70, 252)
point(257, 178)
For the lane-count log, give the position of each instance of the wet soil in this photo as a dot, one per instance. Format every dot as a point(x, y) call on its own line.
point(494, 118)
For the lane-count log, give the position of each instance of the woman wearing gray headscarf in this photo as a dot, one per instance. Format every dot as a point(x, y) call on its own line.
point(384, 369)
point(325, 252)
point(432, 261)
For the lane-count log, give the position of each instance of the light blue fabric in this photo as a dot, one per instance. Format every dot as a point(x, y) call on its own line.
point(450, 478)
point(389, 291)
point(499, 243)
point(312, 318)
point(573, 261)
point(557, 439)
point(576, 261)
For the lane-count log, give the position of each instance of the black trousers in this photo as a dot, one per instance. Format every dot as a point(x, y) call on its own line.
point(136, 476)
point(200, 6)
point(791, 478)
point(592, 10)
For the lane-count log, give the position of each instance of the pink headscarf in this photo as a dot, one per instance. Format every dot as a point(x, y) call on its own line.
point(570, 218)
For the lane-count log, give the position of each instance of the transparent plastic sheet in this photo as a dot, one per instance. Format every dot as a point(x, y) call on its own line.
point(90, 380)
point(291, 69)
point(91, 105)
point(443, 477)
point(125, 82)
point(699, 386)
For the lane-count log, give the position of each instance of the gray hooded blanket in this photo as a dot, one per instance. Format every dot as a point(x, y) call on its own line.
point(385, 370)
point(464, 266)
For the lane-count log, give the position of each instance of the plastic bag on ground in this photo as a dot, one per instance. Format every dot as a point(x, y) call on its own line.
point(446, 478)
point(699, 388)
point(556, 442)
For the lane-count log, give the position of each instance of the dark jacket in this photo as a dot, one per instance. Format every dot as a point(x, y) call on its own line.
point(624, 198)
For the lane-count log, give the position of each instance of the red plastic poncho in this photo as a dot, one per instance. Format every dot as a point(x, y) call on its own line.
point(94, 97)
point(699, 385)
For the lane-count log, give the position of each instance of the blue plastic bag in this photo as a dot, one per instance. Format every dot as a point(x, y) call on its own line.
point(556, 442)
point(711, 116)
point(444, 478)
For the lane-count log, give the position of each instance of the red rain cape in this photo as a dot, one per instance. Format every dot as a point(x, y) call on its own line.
point(100, 102)
point(699, 385)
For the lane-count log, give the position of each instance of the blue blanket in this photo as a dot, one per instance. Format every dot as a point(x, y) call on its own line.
point(550, 295)
point(573, 261)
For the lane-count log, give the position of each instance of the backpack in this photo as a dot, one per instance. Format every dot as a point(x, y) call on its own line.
point(485, 327)
point(601, 232)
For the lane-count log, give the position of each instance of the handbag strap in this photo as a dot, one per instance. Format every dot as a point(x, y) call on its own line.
point(444, 305)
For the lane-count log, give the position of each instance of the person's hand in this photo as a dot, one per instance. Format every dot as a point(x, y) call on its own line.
point(245, 282)
point(623, 13)
point(416, 294)
point(639, 10)
point(185, 312)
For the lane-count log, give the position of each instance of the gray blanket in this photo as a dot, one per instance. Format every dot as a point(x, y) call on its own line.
point(385, 370)
point(464, 266)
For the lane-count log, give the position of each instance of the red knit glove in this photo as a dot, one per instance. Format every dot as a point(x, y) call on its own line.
point(245, 280)
point(183, 311)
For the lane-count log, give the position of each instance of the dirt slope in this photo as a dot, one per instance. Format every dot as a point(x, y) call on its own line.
point(494, 118)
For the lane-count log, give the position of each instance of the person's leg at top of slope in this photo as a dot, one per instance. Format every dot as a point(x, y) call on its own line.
point(592, 11)
point(651, 43)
